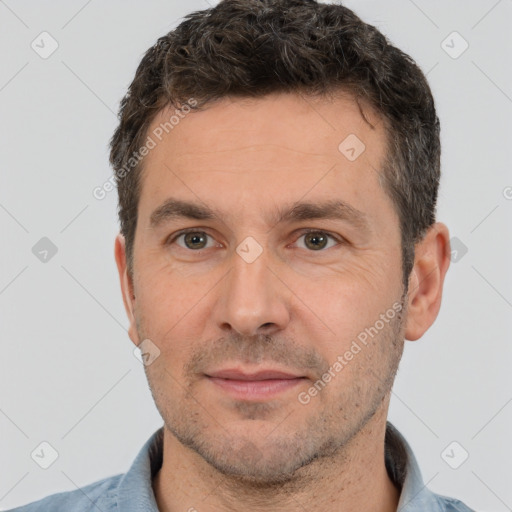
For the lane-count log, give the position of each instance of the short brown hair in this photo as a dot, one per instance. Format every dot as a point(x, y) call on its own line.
point(251, 48)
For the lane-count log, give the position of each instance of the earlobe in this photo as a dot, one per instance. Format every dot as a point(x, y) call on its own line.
point(127, 288)
point(431, 262)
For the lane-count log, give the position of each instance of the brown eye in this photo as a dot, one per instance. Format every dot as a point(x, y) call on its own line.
point(318, 240)
point(193, 240)
point(197, 240)
point(315, 241)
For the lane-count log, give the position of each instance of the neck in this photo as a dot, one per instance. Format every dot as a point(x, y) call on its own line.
point(354, 479)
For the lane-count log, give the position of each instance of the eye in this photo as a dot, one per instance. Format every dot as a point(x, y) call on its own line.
point(316, 240)
point(193, 240)
point(196, 240)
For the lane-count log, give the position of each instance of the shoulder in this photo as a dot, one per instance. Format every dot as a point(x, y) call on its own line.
point(101, 494)
point(451, 504)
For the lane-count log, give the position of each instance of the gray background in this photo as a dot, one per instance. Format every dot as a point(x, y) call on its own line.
point(68, 375)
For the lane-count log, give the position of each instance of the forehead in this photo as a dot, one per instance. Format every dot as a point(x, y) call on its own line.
point(303, 124)
point(275, 149)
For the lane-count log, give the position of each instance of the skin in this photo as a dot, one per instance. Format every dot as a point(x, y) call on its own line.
point(294, 308)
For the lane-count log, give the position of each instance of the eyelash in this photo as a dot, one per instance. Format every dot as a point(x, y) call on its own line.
point(338, 239)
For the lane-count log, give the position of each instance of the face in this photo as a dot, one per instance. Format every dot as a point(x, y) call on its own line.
point(267, 272)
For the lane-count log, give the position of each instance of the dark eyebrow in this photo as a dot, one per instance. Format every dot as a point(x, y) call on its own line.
point(175, 209)
point(334, 209)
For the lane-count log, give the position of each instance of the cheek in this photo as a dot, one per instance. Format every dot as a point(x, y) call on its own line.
point(347, 302)
point(166, 303)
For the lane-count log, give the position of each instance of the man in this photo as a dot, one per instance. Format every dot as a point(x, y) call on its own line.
point(277, 164)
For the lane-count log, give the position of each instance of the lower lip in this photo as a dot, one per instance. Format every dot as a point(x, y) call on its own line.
point(255, 389)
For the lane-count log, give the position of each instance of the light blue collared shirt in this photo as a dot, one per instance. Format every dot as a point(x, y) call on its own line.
point(133, 491)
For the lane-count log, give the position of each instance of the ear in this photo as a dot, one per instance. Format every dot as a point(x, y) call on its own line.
point(431, 262)
point(126, 286)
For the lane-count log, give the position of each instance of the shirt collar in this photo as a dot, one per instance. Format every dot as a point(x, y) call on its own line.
point(135, 491)
point(405, 473)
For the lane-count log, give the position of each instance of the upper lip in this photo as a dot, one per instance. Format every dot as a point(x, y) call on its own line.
point(265, 374)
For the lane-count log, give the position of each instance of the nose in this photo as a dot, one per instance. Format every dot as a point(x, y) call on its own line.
point(252, 299)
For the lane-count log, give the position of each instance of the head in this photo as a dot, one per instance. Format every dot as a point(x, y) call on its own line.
point(301, 151)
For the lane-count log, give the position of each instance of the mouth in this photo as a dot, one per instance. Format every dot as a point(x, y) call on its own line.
point(263, 384)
